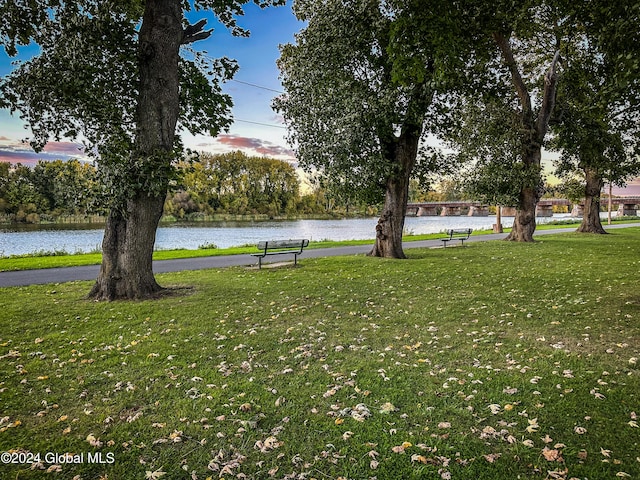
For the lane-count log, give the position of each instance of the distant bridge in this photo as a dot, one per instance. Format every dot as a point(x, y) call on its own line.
point(627, 206)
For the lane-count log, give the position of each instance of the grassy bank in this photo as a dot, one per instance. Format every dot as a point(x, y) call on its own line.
point(496, 360)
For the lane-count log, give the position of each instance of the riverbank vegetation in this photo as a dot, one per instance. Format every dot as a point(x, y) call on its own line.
point(215, 187)
point(523, 363)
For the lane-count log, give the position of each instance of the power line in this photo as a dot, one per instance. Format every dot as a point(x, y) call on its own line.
point(259, 123)
point(257, 86)
point(247, 83)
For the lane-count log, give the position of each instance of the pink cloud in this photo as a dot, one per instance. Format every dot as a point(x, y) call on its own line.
point(275, 150)
point(16, 151)
point(19, 157)
point(251, 146)
point(632, 189)
point(240, 142)
point(68, 148)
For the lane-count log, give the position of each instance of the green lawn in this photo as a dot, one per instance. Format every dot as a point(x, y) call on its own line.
point(492, 361)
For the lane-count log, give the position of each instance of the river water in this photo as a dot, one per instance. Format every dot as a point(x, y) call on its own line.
point(48, 238)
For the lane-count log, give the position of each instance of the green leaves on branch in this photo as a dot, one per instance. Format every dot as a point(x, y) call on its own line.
point(84, 84)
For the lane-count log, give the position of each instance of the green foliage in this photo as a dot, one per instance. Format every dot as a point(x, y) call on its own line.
point(233, 183)
point(596, 124)
point(238, 184)
point(358, 78)
point(84, 83)
point(52, 188)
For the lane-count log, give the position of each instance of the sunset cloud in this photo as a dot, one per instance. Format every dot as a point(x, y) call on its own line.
point(15, 151)
point(66, 148)
point(632, 188)
point(248, 145)
point(240, 142)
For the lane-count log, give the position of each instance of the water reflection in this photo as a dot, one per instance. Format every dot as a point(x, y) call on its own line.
point(74, 238)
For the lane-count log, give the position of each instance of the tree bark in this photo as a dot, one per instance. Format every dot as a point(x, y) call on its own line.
point(127, 250)
point(524, 224)
point(591, 222)
point(390, 225)
point(610, 203)
point(126, 271)
point(497, 227)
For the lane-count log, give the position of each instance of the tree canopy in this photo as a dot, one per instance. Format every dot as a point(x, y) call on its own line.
point(122, 77)
point(363, 83)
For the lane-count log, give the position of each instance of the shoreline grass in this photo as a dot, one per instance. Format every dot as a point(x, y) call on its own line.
point(498, 360)
point(63, 259)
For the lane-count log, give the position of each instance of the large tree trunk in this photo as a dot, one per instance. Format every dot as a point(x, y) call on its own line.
point(126, 271)
point(591, 219)
point(524, 224)
point(389, 229)
point(127, 249)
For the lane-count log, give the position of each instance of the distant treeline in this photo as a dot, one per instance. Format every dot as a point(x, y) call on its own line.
point(231, 183)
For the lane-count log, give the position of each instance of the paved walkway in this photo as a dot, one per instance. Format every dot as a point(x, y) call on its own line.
point(90, 272)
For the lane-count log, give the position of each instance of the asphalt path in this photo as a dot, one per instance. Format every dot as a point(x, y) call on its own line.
point(90, 272)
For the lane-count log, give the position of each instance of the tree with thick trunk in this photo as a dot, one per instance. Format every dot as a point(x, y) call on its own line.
point(127, 247)
point(534, 126)
point(390, 225)
point(596, 124)
point(362, 88)
point(591, 218)
point(128, 95)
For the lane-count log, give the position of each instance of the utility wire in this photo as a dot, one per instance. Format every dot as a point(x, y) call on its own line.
point(257, 86)
point(259, 123)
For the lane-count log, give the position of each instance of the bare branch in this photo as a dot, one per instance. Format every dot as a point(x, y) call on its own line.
point(194, 33)
point(518, 82)
point(549, 96)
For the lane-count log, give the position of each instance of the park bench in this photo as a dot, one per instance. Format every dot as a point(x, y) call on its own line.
point(460, 234)
point(280, 247)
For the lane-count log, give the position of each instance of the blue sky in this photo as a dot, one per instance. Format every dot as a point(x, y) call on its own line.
point(256, 57)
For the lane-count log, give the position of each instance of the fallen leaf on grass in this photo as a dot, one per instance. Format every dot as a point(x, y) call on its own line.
point(387, 408)
point(418, 458)
point(154, 475)
point(533, 425)
point(557, 474)
point(401, 448)
point(551, 455)
point(93, 441)
point(270, 443)
point(492, 457)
